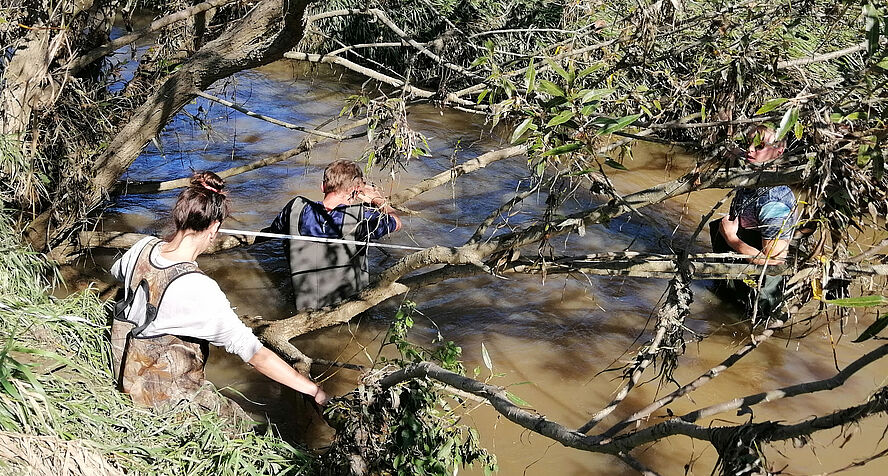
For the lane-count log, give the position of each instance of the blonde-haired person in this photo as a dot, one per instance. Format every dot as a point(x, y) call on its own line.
point(760, 223)
point(768, 211)
point(324, 274)
point(171, 309)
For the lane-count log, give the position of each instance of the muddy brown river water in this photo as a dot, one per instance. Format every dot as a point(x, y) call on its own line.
point(554, 335)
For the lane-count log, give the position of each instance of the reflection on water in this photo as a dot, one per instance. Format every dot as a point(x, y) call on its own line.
point(556, 335)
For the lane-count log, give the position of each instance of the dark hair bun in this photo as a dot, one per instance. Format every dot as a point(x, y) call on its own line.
point(202, 203)
point(208, 180)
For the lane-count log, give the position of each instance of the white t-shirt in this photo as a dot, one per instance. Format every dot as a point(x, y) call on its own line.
point(193, 306)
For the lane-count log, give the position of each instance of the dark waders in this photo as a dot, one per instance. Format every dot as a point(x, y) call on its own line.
point(324, 274)
point(770, 296)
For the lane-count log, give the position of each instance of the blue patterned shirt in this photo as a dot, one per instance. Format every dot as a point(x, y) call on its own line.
point(769, 210)
point(316, 221)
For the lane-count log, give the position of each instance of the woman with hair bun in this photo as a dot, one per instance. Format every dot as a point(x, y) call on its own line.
point(171, 310)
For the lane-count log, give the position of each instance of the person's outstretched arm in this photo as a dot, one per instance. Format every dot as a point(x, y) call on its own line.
point(272, 366)
point(280, 224)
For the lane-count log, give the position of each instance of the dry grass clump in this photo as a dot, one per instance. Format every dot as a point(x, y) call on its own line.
point(51, 456)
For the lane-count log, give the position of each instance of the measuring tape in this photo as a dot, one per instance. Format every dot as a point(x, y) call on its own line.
point(316, 239)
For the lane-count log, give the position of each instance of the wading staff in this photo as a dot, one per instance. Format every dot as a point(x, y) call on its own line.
point(316, 239)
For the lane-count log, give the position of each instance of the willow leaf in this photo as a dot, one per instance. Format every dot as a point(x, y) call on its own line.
point(861, 301)
point(873, 329)
point(563, 149)
point(558, 69)
point(517, 400)
point(613, 163)
point(786, 124)
point(771, 105)
point(521, 129)
point(619, 124)
point(486, 357)
point(531, 76)
point(550, 88)
point(561, 118)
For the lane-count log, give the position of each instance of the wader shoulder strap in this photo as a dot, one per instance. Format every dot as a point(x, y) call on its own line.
point(129, 289)
point(350, 221)
point(153, 281)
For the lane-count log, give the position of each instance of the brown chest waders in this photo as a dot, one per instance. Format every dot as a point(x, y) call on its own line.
point(160, 369)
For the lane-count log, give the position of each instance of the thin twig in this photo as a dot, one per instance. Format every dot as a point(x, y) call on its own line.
point(306, 145)
point(793, 390)
point(96, 53)
point(696, 383)
point(823, 57)
point(673, 310)
point(636, 465)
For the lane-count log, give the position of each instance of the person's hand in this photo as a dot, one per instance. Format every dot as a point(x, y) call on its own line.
point(369, 195)
point(730, 227)
point(320, 397)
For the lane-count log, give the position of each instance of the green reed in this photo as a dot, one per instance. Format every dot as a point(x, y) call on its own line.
point(55, 380)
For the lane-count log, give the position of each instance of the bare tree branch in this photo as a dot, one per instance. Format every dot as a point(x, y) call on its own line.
point(672, 313)
point(623, 444)
point(730, 178)
point(636, 465)
point(125, 240)
point(482, 228)
point(305, 322)
point(277, 122)
point(468, 166)
point(384, 18)
point(500, 401)
point(387, 21)
point(878, 403)
point(96, 53)
point(328, 59)
point(858, 464)
point(539, 424)
point(880, 248)
point(359, 46)
point(792, 391)
point(304, 146)
point(822, 57)
point(627, 264)
point(645, 412)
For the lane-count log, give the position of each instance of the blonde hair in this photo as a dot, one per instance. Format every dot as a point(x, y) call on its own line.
point(766, 135)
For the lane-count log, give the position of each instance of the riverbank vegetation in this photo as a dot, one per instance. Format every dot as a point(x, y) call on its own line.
point(60, 413)
point(569, 87)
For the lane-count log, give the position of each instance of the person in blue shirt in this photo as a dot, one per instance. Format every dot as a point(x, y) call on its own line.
point(760, 224)
point(324, 274)
point(768, 212)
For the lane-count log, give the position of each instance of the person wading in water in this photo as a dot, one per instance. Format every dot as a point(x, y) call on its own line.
point(324, 274)
point(171, 310)
point(760, 224)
